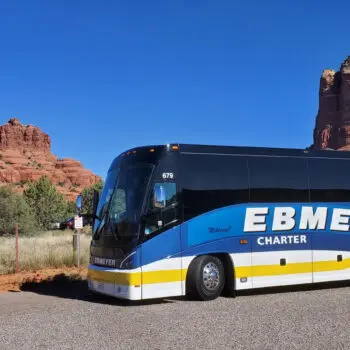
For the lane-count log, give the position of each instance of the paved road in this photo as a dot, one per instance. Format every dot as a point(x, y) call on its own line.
point(64, 318)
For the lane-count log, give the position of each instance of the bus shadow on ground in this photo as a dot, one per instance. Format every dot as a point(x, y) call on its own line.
point(64, 287)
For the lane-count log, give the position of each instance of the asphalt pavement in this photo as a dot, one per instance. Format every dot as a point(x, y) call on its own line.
point(67, 317)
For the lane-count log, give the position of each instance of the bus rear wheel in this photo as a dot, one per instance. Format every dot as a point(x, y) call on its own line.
point(205, 278)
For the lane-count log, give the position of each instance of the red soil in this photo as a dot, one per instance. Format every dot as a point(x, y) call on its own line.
point(13, 282)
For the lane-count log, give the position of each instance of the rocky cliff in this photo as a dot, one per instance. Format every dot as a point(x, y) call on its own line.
point(25, 154)
point(332, 127)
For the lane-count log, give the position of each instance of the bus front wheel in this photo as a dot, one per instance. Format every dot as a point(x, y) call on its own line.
point(205, 278)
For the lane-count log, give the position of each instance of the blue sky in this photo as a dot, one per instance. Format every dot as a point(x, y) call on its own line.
point(104, 76)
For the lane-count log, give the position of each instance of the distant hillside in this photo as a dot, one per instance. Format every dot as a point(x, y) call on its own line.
point(25, 154)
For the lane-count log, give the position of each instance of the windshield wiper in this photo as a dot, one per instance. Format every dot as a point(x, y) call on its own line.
point(104, 210)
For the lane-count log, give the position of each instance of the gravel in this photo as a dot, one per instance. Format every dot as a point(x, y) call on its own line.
point(293, 319)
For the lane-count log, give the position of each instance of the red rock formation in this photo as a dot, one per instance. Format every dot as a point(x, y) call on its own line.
point(14, 135)
point(332, 127)
point(25, 154)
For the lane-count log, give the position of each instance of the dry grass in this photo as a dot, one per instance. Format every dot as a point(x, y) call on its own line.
point(51, 249)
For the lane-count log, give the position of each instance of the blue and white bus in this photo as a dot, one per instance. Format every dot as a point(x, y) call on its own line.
point(201, 220)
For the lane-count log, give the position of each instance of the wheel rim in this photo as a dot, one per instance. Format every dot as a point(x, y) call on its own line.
point(211, 276)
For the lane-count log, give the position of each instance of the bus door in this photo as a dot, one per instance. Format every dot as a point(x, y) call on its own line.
point(161, 250)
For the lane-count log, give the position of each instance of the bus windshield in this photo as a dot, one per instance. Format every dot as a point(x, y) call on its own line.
point(121, 201)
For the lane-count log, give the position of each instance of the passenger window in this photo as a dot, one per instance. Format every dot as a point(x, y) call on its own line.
point(329, 180)
point(274, 179)
point(210, 182)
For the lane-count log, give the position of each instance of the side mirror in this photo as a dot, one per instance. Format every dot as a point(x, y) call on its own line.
point(79, 204)
point(95, 201)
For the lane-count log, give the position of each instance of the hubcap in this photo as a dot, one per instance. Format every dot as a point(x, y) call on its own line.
point(211, 276)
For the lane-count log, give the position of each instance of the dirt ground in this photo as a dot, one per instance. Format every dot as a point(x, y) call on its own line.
point(13, 282)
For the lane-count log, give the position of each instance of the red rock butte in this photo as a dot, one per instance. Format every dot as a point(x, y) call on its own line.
point(332, 127)
point(25, 154)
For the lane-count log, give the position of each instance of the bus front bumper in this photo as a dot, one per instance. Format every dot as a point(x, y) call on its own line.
point(123, 284)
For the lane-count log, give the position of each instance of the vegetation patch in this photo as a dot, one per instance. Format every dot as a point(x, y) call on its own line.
point(35, 211)
point(38, 207)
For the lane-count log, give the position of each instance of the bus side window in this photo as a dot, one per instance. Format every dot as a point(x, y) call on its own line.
point(329, 180)
point(164, 194)
point(161, 212)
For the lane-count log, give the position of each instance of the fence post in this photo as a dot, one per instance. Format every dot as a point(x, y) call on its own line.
point(16, 232)
point(76, 245)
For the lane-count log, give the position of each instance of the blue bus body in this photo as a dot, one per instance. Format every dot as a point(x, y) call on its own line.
point(263, 227)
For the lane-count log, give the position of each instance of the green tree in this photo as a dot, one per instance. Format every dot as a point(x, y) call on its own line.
point(70, 209)
point(48, 204)
point(88, 195)
point(15, 210)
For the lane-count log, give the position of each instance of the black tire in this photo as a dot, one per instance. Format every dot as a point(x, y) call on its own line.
point(205, 278)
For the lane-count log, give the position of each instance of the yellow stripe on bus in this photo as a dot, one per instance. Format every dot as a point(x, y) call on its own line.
point(291, 269)
point(323, 266)
point(164, 276)
point(273, 270)
point(121, 278)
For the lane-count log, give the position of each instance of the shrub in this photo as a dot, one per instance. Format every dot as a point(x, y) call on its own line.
point(48, 204)
point(88, 195)
point(70, 209)
point(15, 210)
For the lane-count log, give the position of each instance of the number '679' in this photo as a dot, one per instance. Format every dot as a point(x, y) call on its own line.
point(168, 175)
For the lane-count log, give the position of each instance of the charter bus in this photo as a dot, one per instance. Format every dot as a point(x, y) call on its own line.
point(202, 220)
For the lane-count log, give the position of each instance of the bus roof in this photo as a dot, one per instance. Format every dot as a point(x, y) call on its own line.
point(248, 150)
point(268, 151)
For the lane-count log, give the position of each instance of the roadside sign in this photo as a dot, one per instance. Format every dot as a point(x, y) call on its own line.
point(78, 221)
